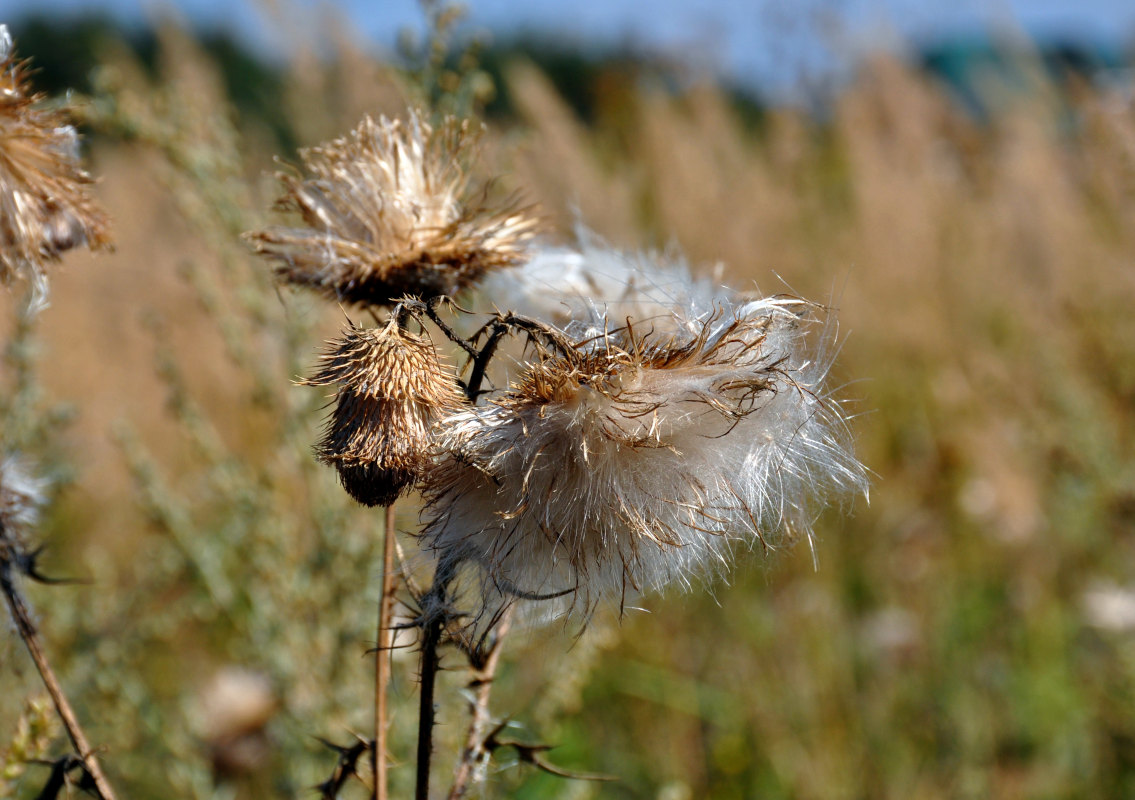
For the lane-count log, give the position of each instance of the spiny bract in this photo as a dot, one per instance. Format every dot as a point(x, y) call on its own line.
point(391, 388)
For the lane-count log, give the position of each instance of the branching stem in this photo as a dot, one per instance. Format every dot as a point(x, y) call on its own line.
point(435, 614)
point(474, 752)
point(30, 636)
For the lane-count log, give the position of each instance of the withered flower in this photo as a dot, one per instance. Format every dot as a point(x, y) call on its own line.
point(637, 459)
point(391, 211)
point(392, 387)
point(45, 208)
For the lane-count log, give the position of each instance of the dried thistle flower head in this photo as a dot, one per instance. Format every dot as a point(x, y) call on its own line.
point(21, 496)
point(45, 208)
point(392, 387)
point(635, 460)
point(391, 211)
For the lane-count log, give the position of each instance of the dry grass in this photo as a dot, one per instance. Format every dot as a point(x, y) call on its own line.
point(983, 276)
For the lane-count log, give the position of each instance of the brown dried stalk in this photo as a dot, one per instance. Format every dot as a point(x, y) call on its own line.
point(382, 656)
point(30, 636)
point(475, 753)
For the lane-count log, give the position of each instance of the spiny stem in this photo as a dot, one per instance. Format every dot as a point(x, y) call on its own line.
point(434, 613)
point(474, 750)
point(30, 636)
point(382, 655)
point(477, 376)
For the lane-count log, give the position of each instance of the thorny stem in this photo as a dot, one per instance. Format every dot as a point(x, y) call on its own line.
point(30, 636)
point(382, 655)
point(474, 751)
point(477, 376)
point(507, 323)
point(435, 612)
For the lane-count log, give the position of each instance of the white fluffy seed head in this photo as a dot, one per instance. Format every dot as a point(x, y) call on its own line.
point(638, 458)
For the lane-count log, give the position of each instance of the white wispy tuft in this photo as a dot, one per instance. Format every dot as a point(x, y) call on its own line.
point(592, 282)
point(637, 458)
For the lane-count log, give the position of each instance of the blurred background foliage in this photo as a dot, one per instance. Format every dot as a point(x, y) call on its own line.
point(971, 633)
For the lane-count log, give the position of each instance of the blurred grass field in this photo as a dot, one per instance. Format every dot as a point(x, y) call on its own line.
point(970, 633)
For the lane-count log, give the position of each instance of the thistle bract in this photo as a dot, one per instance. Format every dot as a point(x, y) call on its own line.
point(391, 388)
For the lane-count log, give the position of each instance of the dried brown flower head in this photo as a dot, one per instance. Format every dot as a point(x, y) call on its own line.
point(45, 208)
point(390, 212)
point(392, 387)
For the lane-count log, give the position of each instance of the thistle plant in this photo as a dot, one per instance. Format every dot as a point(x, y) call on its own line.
point(655, 423)
point(45, 210)
point(631, 460)
point(391, 210)
point(392, 388)
point(45, 206)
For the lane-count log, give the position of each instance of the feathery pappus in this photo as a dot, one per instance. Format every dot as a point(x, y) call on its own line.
point(391, 211)
point(590, 281)
point(391, 386)
point(45, 206)
point(637, 460)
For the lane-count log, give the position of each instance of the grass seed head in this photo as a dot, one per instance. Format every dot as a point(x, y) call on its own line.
point(390, 211)
point(45, 206)
point(636, 460)
point(391, 388)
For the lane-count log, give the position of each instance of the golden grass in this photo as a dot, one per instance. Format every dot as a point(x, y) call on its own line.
point(983, 274)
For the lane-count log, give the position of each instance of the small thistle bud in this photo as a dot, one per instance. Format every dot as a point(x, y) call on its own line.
point(45, 208)
point(635, 460)
point(392, 387)
point(391, 212)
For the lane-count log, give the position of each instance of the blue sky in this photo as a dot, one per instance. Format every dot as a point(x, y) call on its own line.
point(765, 42)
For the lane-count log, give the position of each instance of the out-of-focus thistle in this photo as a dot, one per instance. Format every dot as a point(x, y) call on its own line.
point(392, 388)
point(634, 459)
point(392, 211)
point(21, 495)
point(45, 207)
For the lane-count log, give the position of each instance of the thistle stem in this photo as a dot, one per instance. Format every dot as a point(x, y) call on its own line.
point(30, 636)
point(477, 376)
point(482, 684)
point(382, 655)
point(434, 614)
